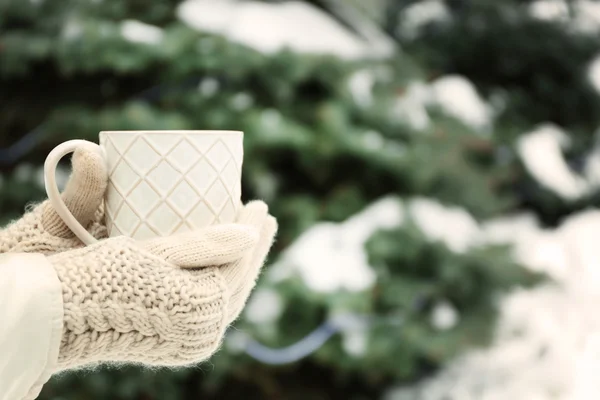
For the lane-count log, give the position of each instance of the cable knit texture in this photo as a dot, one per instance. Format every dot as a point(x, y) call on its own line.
point(165, 302)
point(41, 230)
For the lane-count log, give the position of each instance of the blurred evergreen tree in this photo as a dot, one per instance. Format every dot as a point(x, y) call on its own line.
point(533, 57)
point(318, 150)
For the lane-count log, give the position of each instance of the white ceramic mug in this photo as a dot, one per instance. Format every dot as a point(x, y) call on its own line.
point(160, 182)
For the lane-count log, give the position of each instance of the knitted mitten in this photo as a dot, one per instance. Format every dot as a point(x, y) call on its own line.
point(41, 230)
point(162, 302)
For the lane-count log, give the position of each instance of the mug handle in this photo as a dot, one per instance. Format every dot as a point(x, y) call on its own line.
point(52, 189)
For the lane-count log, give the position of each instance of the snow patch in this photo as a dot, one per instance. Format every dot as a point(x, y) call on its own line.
point(549, 10)
point(361, 86)
point(588, 16)
point(453, 226)
point(532, 246)
point(592, 168)
point(594, 73)
point(444, 316)
point(421, 13)
point(355, 342)
point(270, 28)
point(458, 97)
point(510, 228)
point(541, 152)
point(208, 87)
point(72, 29)
point(330, 257)
point(241, 101)
point(454, 94)
point(271, 119)
point(412, 106)
point(140, 32)
point(547, 344)
point(265, 306)
point(582, 16)
point(373, 140)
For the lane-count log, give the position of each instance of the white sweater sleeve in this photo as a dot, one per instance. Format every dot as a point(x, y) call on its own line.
point(31, 319)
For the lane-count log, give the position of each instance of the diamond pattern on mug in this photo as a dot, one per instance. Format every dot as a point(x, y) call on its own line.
point(164, 220)
point(183, 198)
point(141, 156)
point(203, 174)
point(112, 155)
point(161, 178)
point(183, 156)
point(144, 232)
point(144, 197)
point(148, 195)
point(123, 177)
point(128, 220)
point(217, 195)
point(215, 155)
point(203, 215)
point(162, 143)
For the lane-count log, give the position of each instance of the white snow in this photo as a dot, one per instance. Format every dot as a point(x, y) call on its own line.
point(539, 249)
point(549, 10)
point(265, 306)
point(594, 73)
point(330, 257)
point(453, 94)
point(354, 331)
point(72, 29)
point(355, 342)
point(270, 28)
point(444, 316)
point(241, 101)
point(361, 86)
point(140, 32)
point(584, 16)
point(591, 168)
point(328, 264)
point(541, 152)
point(373, 140)
point(411, 107)
point(547, 344)
point(510, 228)
point(453, 226)
point(421, 13)
point(271, 119)
point(588, 16)
point(208, 87)
point(458, 97)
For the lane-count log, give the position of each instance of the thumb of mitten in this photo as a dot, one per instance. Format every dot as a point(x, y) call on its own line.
point(214, 245)
point(254, 214)
point(83, 193)
point(244, 274)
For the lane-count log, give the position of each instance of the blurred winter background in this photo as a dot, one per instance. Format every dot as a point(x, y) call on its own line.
point(434, 165)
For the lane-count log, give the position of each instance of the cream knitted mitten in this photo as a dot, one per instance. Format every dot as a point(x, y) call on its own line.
point(41, 230)
point(164, 302)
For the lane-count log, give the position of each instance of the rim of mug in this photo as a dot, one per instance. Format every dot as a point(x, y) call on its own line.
point(179, 132)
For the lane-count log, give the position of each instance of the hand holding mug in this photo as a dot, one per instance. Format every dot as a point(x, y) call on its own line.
point(160, 183)
point(42, 230)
